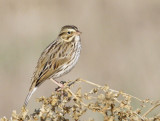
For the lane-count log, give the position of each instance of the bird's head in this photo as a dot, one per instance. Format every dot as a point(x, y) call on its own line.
point(69, 33)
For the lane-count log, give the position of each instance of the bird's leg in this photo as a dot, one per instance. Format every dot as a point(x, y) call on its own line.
point(60, 85)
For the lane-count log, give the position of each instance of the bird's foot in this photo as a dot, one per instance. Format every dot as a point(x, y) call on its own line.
point(62, 82)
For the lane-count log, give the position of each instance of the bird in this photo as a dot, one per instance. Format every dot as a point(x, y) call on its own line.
point(57, 59)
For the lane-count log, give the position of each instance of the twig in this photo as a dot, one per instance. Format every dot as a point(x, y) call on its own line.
point(75, 96)
point(90, 82)
point(127, 109)
point(151, 109)
point(114, 91)
point(109, 89)
point(125, 94)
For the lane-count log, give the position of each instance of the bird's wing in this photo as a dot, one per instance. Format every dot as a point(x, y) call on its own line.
point(51, 68)
point(48, 64)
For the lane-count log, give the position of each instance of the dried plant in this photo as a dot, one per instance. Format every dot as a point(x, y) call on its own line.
point(111, 104)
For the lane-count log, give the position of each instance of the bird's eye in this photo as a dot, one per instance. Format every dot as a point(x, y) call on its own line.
point(69, 32)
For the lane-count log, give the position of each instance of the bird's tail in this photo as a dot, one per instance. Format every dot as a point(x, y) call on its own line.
point(29, 96)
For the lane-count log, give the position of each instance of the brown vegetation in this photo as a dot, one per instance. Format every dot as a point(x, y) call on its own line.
point(66, 105)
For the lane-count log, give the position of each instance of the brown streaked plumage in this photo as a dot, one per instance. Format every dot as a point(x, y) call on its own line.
point(57, 59)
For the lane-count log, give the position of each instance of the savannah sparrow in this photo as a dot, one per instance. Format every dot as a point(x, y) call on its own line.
point(57, 59)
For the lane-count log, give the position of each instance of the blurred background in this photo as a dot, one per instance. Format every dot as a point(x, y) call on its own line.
point(120, 46)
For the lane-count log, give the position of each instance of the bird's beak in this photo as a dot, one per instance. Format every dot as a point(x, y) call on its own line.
point(78, 32)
